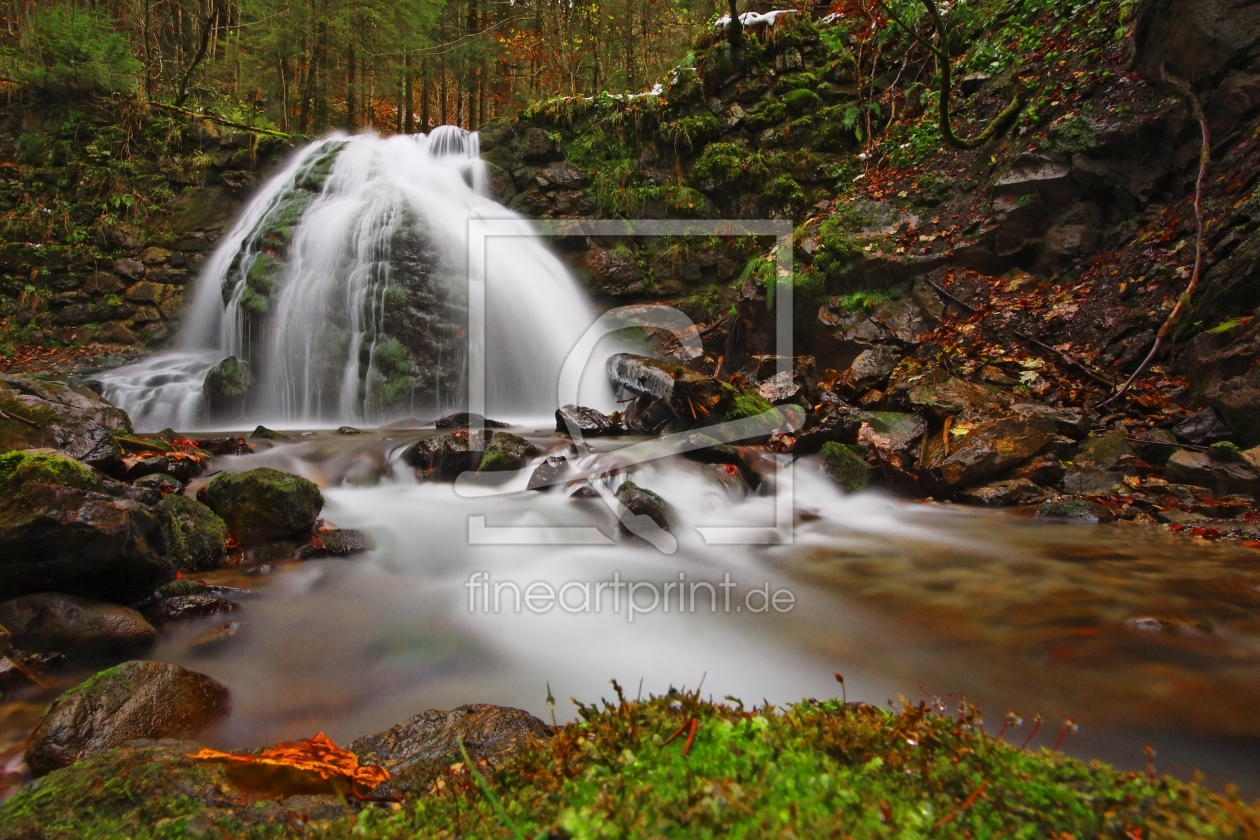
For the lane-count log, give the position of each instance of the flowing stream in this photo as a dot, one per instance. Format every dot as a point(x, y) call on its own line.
point(907, 601)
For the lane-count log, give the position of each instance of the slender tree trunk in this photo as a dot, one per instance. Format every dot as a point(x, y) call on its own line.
point(351, 102)
point(409, 118)
point(424, 99)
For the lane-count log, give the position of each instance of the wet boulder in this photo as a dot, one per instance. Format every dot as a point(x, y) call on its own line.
point(197, 534)
point(179, 608)
point(640, 501)
point(951, 397)
point(127, 702)
point(224, 446)
point(339, 542)
point(263, 433)
point(181, 469)
point(464, 419)
point(837, 425)
point(991, 449)
point(78, 628)
point(846, 466)
point(1202, 428)
point(578, 419)
point(505, 452)
point(446, 456)
point(227, 386)
point(1074, 511)
point(160, 482)
point(889, 431)
point(263, 504)
point(416, 751)
point(73, 420)
point(1223, 477)
point(549, 473)
point(1014, 491)
point(1068, 421)
point(872, 367)
point(66, 528)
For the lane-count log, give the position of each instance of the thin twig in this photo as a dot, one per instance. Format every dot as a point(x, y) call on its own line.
point(1205, 157)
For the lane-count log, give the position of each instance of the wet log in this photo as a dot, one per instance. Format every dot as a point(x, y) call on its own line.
point(688, 394)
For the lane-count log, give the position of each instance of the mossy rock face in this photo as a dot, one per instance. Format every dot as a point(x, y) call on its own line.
point(263, 504)
point(124, 703)
point(800, 101)
point(506, 452)
point(197, 534)
point(75, 421)
point(846, 466)
point(66, 528)
point(643, 502)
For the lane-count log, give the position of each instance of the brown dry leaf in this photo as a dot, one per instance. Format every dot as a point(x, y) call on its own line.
point(317, 756)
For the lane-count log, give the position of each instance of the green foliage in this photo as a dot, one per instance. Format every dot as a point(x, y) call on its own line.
point(748, 404)
point(66, 48)
point(726, 164)
point(800, 101)
point(1075, 134)
point(770, 112)
point(689, 133)
point(784, 190)
point(845, 465)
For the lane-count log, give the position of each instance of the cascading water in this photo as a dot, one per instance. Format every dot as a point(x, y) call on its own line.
point(344, 287)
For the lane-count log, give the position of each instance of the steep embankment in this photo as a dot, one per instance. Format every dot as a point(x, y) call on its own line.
point(1030, 273)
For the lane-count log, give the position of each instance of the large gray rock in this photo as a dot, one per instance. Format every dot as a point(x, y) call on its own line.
point(640, 501)
point(263, 504)
point(66, 528)
point(416, 751)
point(73, 420)
point(1223, 478)
point(227, 386)
point(197, 534)
point(77, 627)
point(588, 422)
point(127, 702)
point(505, 452)
point(446, 456)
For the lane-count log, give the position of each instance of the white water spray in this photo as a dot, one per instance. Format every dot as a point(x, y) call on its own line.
point(306, 286)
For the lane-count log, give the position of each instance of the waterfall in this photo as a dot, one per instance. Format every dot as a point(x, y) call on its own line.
point(343, 285)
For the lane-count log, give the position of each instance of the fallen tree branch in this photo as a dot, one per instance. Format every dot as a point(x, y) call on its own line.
point(1205, 157)
point(1097, 376)
point(220, 120)
point(8, 415)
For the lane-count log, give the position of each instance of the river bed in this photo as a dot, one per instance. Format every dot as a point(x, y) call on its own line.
point(1140, 636)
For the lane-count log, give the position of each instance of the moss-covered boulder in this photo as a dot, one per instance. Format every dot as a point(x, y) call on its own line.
point(35, 413)
point(506, 452)
point(227, 386)
point(187, 608)
point(149, 790)
point(79, 628)
point(845, 465)
point(339, 542)
point(643, 502)
point(197, 534)
point(66, 528)
point(124, 703)
point(263, 504)
point(446, 456)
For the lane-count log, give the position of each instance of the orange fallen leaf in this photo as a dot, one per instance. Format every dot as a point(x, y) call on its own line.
point(312, 757)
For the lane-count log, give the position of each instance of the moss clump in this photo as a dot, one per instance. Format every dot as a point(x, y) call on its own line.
point(197, 534)
point(726, 164)
point(800, 101)
point(19, 469)
point(770, 113)
point(505, 452)
point(784, 190)
point(813, 769)
point(846, 466)
point(691, 132)
point(748, 404)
